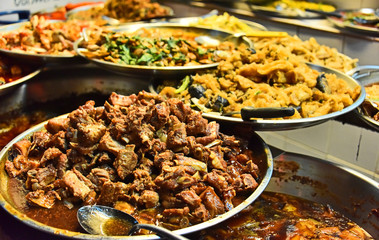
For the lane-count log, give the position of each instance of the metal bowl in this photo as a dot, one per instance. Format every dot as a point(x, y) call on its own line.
point(36, 58)
point(7, 87)
point(162, 72)
point(348, 192)
point(256, 144)
point(287, 124)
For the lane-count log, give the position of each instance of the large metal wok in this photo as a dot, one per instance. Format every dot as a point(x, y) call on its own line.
point(346, 191)
point(101, 87)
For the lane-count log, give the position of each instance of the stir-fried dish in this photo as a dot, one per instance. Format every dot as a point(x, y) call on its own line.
point(124, 11)
point(41, 36)
point(155, 159)
point(268, 78)
point(153, 47)
point(280, 216)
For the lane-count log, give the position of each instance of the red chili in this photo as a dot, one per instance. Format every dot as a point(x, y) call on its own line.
point(70, 6)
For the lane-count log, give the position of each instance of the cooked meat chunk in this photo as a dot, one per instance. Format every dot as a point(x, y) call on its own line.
point(212, 202)
point(107, 143)
point(57, 124)
point(40, 177)
point(77, 187)
point(116, 99)
point(42, 198)
point(89, 134)
point(190, 197)
point(149, 199)
point(176, 136)
point(126, 161)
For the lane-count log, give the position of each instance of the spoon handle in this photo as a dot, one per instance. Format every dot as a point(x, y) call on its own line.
point(160, 231)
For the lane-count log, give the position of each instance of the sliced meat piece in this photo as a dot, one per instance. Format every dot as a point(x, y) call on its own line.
point(55, 125)
point(98, 177)
point(176, 212)
point(176, 136)
point(89, 134)
point(40, 140)
point(126, 161)
point(125, 207)
point(179, 109)
point(160, 115)
point(20, 165)
point(164, 158)
point(83, 114)
point(190, 198)
point(201, 213)
point(77, 187)
point(107, 143)
point(59, 140)
point(112, 192)
point(149, 199)
point(42, 198)
point(40, 177)
point(212, 133)
point(22, 147)
point(50, 154)
point(249, 182)
point(198, 150)
point(121, 100)
point(196, 124)
point(212, 202)
point(216, 180)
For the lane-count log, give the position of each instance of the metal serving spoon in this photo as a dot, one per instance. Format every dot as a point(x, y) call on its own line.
point(103, 220)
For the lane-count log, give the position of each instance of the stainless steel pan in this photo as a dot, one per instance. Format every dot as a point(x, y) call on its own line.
point(287, 124)
point(256, 144)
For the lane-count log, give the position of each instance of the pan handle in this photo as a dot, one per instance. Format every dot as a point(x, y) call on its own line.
point(269, 112)
point(362, 71)
point(23, 15)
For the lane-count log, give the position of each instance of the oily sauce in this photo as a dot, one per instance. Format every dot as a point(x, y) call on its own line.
point(116, 227)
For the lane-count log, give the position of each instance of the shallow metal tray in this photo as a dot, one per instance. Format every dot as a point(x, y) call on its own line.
point(288, 124)
point(36, 58)
point(70, 87)
point(162, 72)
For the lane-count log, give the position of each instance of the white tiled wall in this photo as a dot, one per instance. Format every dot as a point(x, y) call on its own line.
point(345, 144)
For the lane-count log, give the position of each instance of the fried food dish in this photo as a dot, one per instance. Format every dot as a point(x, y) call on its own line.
point(153, 158)
point(307, 51)
point(268, 78)
point(42, 36)
point(281, 216)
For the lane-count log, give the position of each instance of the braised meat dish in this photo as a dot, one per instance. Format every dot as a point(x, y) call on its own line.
point(281, 216)
point(153, 158)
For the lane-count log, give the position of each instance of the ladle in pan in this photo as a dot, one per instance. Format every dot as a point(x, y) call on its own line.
point(103, 220)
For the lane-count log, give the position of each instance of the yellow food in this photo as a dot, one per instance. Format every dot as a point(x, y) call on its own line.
point(269, 78)
point(225, 22)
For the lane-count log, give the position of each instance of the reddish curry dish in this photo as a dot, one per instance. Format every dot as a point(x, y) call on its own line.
point(153, 158)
